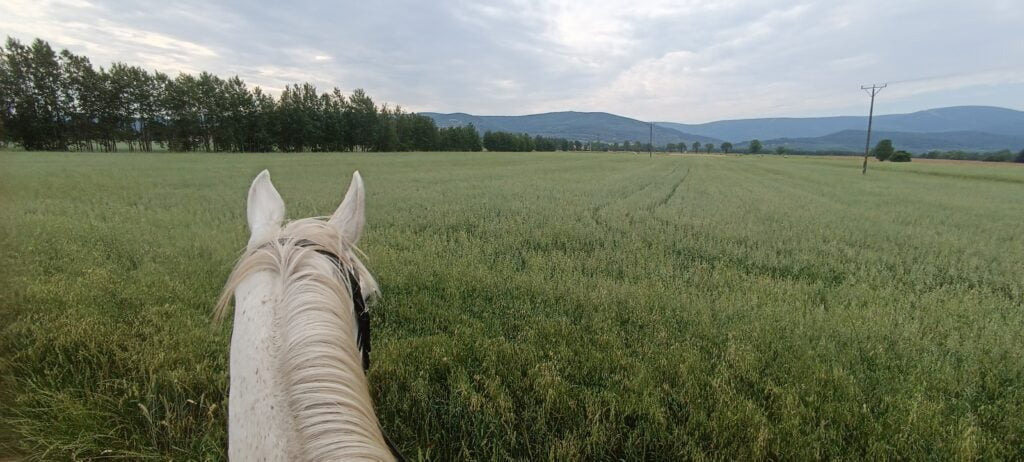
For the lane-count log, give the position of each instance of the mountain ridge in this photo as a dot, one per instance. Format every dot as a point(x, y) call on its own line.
point(986, 119)
point(575, 125)
point(969, 128)
point(853, 141)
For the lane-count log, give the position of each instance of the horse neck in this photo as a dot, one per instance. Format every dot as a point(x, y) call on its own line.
point(259, 422)
point(298, 390)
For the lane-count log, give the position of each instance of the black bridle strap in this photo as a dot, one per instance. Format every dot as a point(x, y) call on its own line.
point(359, 309)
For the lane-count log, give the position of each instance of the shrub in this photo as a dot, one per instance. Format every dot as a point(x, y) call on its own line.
point(900, 156)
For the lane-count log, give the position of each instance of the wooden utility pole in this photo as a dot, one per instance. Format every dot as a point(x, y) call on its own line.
point(650, 145)
point(872, 90)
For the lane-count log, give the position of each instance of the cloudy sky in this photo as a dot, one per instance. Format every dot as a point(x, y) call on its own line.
point(682, 60)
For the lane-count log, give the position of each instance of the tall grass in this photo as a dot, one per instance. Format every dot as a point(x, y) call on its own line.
point(539, 306)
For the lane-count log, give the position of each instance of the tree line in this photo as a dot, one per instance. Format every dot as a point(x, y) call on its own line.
point(522, 142)
point(60, 102)
point(1004, 155)
point(884, 151)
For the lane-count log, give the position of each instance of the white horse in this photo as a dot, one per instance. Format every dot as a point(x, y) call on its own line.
point(300, 341)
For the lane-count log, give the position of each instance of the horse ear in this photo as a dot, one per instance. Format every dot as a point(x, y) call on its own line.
point(350, 216)
point(265, 209)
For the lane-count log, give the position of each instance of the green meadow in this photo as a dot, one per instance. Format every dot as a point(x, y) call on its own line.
point(538, 306)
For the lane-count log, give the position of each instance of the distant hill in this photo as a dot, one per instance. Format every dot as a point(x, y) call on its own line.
point(968, 128)
point(583, 126)
point(986, 119)
point(853, 140)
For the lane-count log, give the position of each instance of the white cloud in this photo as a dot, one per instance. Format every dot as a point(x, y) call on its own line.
point(684, 60)
point(83, 27)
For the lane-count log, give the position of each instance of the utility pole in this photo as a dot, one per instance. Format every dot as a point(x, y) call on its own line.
point(872, 90)
point(650, 145)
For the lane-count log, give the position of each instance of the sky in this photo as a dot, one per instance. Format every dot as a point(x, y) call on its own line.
point(680, 61)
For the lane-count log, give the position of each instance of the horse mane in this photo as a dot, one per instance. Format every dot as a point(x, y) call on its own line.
point(327, 390)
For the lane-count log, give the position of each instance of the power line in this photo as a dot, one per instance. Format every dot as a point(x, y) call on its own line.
point(873, 90)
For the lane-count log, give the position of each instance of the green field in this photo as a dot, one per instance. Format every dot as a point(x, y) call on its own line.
point(539, 306)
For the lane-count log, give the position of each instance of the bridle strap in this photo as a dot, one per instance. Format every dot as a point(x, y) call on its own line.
point(359, 309)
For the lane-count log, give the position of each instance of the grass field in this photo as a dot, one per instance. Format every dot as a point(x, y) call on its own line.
point(539, 306)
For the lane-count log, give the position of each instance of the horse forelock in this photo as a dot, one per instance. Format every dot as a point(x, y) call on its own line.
point(272, 253)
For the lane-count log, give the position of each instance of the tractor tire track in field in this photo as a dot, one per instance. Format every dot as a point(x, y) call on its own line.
point(595, 211)
point(671, 193)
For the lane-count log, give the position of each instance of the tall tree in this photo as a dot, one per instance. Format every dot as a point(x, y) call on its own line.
point(387, 132)
point(46, 90)
point(183, 131)
point(24, 112)
point(332, 121)
point(883, 150)
point(81, 94)
point(417, 133)
point(361, 121)
point(233, 112)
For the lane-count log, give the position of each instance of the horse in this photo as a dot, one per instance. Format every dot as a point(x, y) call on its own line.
point(300, 340)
